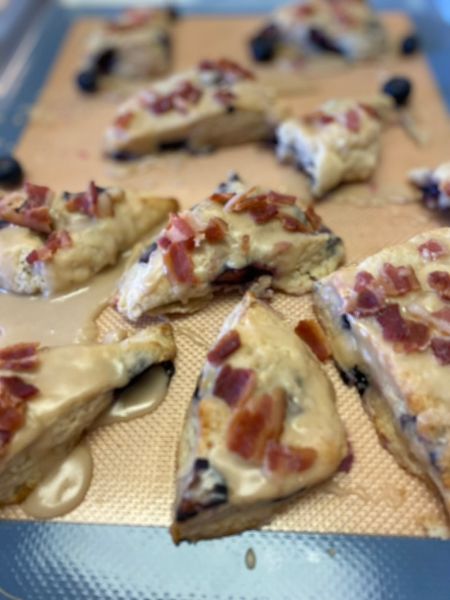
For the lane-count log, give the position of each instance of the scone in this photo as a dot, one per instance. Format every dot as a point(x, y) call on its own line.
point(348, 28)
point(338, 143)
point(388, 323)
point(434, 185)
point(50, 396)
point(137, 44)
point(262, 427)
point(50, 242)
point(218, 103)
point(238, 235)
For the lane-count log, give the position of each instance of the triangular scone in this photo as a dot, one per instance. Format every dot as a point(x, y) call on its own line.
point(261, 428)
point(49, 397)
point(50, 242)
point(388, 323)
point(218, 103)
point(350, 29)
point(338, 143)
point(133, 45)
point(434, 185)
point(234, 237)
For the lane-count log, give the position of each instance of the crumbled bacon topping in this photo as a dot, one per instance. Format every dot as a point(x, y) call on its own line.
point(55, 241)
point(234, 385)
point(29, 208)
point(229, 70)
point(304, 10)
point(88, 203)
point(278, 198)
point(255, 422)
point(432, 250)
point(185, 95)
point(318, 118)
point(123, 120)
point(353, 120)
point(407, 335)
point(19, 357)
point(221, 198)
point(216, 230)
point(290, 223)
point(14, 392)
point(313, 218)
point(179, 265)
point(283, 460)
point(398, 281)
point(225, 347)
point(369, 110)
point(441, 349)
point(132, 19)
point(313, 335)
point(439, 281)
point(225, 97)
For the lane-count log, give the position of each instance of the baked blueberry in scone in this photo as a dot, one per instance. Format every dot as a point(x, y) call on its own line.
point(434, 186)
point(348, 28)
point(261, 428)
point(338, 143)
point(50, 242)
point(218, 103)
point(135, 45)
point(234, 237)
point(388, 324)
point(49, 397)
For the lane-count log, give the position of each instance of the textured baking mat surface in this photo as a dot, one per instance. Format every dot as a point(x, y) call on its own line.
point(135, 461)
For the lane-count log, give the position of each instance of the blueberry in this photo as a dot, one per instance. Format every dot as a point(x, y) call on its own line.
point(410, 44)
point(173, 12)
point(105, 60)
point(319, 39)
point(87, 81)
point(262, 48)
point(399, 88)
point(345, 322)
point(145, 256)
point(11, 172)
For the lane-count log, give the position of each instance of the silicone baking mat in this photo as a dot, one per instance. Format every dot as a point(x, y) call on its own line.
point(376, 497)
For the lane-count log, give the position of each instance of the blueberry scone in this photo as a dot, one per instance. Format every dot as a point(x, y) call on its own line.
point(49, 397)
point(218, 103)
point(348, 28)
point(236, 236)
point(262, 427)
point(135, 45)
point(50, 242)
point(434, 186)
point(338, 143)
point(388, 323)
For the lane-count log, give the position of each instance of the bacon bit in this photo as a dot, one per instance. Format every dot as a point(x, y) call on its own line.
point(20, 357)
point(255, 423)
point(132, 19)
point(368, 302)
point(432, 250)
point(245, 243)
point(227, 345)
point(180, 99)
point(439, 281)
point(313, 218)
point(292, 224)
point(370, 110)
point(32, 212)
point(179, 265)
point(55, 241)
point(216, 230)
point(304, 10)
point(278, 198)
point(230, 70)
point(263, 213)
point(408, 336)
point(225, 97)
point(87, 203)
point(443, 314)
point(122, 121)
point(259, 207)
point(234, 385)
point(221, 198)
point(318, 118)
point(312, 334)
point(398, 281)
point(352, 120)
point(14, 392)
point(363, 281)
point(179, 229)
point(283, 460)
point(441, 349)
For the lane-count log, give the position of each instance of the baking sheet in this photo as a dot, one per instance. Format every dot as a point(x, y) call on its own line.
point(134, 462)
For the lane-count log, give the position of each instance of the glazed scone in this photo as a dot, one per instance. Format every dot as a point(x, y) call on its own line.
point(434, 185)
point(338, 143)
point(388, 323)
point(348, 28)
point(137, 44)
point(50, 242)
point(218, 103)
point(262, 427)
point(49, 397)
point(236, 236)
